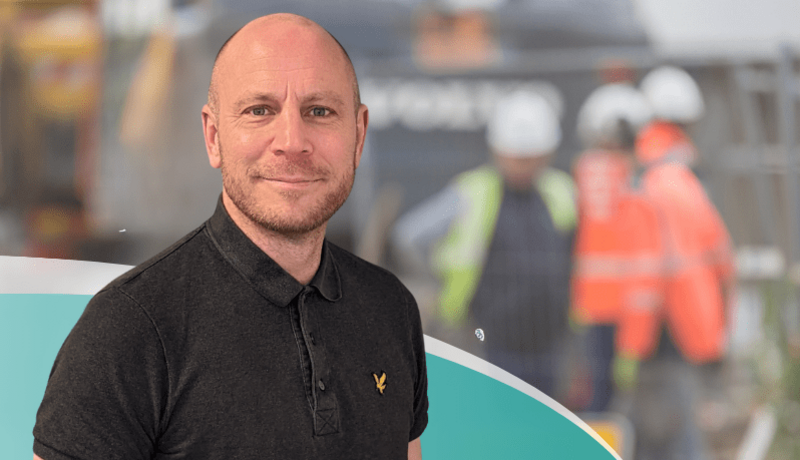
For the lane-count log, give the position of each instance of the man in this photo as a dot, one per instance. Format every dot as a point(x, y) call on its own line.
point(699, 257)
point(689, 339)
point(500, 239)
point(253, 337)
point(617, 248)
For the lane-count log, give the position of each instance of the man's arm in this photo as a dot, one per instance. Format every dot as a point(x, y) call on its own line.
point(107, 386)
point(419, 229)
point(414, 451)
point(420, 416)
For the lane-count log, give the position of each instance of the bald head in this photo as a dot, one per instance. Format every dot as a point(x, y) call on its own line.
point(258, 29)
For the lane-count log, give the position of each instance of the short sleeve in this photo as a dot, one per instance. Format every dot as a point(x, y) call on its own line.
point(421, 381)
point(107, 389)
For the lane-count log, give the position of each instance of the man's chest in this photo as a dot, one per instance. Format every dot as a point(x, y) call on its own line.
point(306, 380)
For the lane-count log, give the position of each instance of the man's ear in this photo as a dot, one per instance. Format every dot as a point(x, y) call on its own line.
point(211, 137)
point(362, 120)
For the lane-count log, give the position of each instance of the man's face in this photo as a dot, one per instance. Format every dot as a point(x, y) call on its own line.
point(519, 173)
point(288, 136)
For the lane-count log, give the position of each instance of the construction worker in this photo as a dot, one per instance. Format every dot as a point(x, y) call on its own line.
point(500, 237)
point(700, 259)
point(698, 272)
point(617, 249)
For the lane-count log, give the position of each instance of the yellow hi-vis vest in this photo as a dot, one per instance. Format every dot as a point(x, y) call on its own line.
point(460, 256)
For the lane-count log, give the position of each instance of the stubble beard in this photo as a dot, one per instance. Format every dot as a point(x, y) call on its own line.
point(298, 221)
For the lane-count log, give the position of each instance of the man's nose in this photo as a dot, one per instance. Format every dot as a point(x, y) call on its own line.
point(290, 133)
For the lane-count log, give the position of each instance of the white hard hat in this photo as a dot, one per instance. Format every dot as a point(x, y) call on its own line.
point(524, 124)
point(600, 115)
point(673, 95)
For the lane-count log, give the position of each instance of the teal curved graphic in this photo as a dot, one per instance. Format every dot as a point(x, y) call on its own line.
point(477, 411)
point(473, 416)
point(32, 329)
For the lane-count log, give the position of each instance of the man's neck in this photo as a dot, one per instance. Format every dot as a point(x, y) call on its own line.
point(299, 255)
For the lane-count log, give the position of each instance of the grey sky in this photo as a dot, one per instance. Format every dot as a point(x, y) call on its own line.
point(721, 27)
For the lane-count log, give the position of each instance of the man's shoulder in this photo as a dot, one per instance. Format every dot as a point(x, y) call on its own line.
point(353, 267)
point(163, 267)
point(480, 174)
point(348, 261)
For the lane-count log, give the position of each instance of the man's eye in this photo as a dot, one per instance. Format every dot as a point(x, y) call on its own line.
point(259, 111)
point(319, 111)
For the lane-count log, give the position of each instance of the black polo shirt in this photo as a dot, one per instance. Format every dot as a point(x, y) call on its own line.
point(210, 350)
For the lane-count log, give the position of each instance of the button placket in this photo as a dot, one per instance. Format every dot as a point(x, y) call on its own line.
point(301, 303)
point(306, 360)
point(326, 413)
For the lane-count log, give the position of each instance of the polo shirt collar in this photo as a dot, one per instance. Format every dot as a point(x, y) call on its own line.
point(263, 273)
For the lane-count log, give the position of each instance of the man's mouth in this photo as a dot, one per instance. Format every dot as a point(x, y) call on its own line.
point(291, 179)
point(290, 182)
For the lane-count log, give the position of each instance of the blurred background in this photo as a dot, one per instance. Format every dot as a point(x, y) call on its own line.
point(102, 157)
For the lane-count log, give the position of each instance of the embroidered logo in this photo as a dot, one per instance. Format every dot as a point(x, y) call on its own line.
point(380, 382)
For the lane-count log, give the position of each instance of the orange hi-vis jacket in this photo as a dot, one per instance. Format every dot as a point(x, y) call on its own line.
point(617, 247)
point(640, 318)
point(698, 261)
point(664, 141)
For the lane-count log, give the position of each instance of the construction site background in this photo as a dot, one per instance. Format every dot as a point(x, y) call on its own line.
point(102, 157)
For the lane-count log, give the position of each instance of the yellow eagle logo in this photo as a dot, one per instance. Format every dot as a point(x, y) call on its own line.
point(380, 382)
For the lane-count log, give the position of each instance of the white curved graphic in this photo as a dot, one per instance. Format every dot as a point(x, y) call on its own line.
point(28, 275)
point(32, 275)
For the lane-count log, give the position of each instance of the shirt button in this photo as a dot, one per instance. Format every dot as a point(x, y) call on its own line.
point(313, 342)
point(321, 385)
